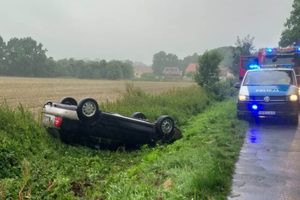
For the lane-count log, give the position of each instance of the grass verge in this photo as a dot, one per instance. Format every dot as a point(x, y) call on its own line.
point(199, 166)
point(36, 166)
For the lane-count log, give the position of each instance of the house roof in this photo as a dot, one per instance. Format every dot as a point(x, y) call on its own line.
point(192, 67)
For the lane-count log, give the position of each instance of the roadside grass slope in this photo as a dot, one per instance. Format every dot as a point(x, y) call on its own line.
point(199, 166)
point(35, 165)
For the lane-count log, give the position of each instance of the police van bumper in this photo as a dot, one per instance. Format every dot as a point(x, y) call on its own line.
point(267, 110)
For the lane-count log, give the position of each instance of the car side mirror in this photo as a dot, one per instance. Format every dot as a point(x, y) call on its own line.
point(237, 85)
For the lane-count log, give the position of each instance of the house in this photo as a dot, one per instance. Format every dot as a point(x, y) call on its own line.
point(139, 70)
point(191, 68)
point(190, 71)
point(224, 73)
point(172, 72)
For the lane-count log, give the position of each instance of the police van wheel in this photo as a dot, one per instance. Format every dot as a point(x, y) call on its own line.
point(240, 117)
point(294, 120)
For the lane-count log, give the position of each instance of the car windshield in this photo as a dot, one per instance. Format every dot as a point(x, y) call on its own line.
point(270, 77)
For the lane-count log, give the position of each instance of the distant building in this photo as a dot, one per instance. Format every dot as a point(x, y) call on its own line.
point(191, 68)
point(139, 70)
point(190, 71)
point(224, 73)
point(172, 72)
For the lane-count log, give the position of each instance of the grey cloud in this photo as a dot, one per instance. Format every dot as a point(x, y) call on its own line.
point(136, 29)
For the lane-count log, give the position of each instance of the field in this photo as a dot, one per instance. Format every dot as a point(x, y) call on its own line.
point(32, 93)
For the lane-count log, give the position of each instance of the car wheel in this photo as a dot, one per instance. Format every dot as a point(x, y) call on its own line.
point(165, 125)
point(68, 101)
point(49, 103)
point(139, 115)
point(87, 109)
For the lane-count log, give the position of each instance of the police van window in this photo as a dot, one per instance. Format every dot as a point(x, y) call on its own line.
point(269, 78)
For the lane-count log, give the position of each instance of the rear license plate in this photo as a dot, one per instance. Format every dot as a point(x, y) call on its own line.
point(267, 113)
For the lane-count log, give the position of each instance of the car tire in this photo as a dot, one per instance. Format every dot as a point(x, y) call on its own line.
point(165, 125)
point(139, 115)
point(87, 109)
point(48, 103)
point(69, 101)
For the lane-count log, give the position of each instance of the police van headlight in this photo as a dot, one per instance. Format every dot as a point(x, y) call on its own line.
point(293, 97)
point(243, 98)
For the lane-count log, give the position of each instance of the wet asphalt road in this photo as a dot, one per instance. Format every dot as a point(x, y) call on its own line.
point(269, 163)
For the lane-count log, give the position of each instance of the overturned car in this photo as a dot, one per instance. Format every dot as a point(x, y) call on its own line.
point(84, 123)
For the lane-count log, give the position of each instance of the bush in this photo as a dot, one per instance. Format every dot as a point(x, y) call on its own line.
point(224, 89)
point(207, 75)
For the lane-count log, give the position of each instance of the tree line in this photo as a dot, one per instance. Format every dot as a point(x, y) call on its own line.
point(26, 57)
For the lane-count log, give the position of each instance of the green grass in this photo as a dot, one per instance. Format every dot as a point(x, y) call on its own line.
point(181, 104)
point(35, 165)
point(199, 166)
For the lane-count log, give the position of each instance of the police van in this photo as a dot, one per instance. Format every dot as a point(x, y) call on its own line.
point(269, 93)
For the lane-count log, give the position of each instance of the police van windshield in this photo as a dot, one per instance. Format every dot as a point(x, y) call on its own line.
point(270, 77)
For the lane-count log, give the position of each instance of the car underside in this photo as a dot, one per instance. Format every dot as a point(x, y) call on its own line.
point(86, 124)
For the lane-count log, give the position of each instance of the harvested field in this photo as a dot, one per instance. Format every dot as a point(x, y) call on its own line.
point(32, 93)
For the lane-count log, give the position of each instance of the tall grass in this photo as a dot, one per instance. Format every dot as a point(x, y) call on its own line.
point(35, 165)
point(180, 103)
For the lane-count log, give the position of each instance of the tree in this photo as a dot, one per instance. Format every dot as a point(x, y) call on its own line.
point(243, 47)
point(188, 60)
point(127, 68)
point(162, 60)
point(208, 73)
point(159, 62)
point(2, 56)
point(26, 57)
point(291, 34)
point(114, 70)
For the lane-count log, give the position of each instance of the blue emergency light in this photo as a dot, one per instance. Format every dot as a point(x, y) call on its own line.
point(254, 107)
point(298, 49)
point(269, 50)
point(254, 66)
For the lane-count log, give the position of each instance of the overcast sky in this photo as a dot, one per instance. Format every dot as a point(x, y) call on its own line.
point(136, 29)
